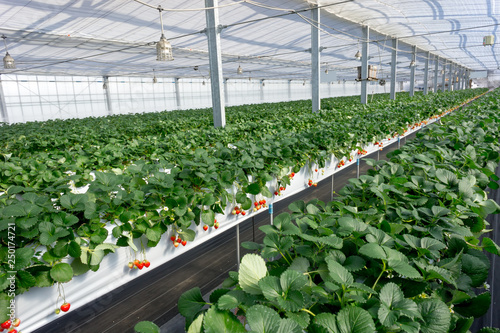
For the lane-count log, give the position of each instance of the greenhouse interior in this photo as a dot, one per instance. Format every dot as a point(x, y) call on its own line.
point(249, 166)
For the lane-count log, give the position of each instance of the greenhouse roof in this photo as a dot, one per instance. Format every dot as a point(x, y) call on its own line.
point(268, 38)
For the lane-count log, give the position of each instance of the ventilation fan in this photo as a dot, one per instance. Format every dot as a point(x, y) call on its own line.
point(381, 82)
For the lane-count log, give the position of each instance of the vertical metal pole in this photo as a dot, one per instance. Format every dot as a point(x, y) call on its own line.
point(226, 94)
point(443, 81)
point(333, 179)
point(315, 60)
point(271, 213)
point(462, 79)
point(436, 73)
point(177, 93)
point(3, 105)
point(289, 90)
point(399, 141)
point(394, 59)
point(357, 167)
point(262, 90)
point(412, 70)
point(467, 76)
point(364, 64)
point(450, 78)
point(109, 107)
point(426, 74)
point(214, 55)
point(238, 244)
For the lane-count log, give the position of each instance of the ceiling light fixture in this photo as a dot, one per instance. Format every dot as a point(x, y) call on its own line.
point(8, 61)
point(412, 63)
point(358, 55)
point(239, 71)
point(163, 47)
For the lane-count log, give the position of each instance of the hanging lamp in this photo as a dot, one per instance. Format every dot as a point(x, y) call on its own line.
point(239, 71)
point(163, 47)
point(8, 61)
point(412, 63)
point(358, 55)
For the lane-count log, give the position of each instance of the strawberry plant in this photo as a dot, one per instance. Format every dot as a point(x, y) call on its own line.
point(70, 185)
point(400, 250)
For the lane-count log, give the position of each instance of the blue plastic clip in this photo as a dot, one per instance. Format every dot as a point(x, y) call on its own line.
point(357, 161)
point(270, 208)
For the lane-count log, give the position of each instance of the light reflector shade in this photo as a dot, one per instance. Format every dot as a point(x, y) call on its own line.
point(164, 50)
point(239, 70)
point(8, 62)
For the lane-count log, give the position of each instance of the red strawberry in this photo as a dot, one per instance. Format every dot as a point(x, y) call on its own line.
point(140, 266)
point(243, 213)
point(65, 307)
point(146, 263)
point(12, 330)
point(216, 225)
point(172, 238)
point(205, 227)
point(136, 262)
point(276, 193)
point(179, 240)
point(184, 243)
point(6, 324)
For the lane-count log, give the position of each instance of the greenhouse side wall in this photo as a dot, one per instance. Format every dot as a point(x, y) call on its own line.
point(40, 98)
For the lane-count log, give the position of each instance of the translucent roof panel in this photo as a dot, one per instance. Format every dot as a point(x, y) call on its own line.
point(268, 38)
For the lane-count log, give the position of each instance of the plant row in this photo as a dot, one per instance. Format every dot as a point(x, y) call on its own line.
point(401, 249)
point(144, 175)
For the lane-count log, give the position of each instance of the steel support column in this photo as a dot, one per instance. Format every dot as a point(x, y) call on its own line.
point(436, 73)
point(426, 74)
point(450, 78)
point(412, 69)
point(394, 58)
point(177, 93)
point(364, 64)
point(109, 105)
point(289, 90)
point(443, 81)
point(215, 59)
point(3, 106)
point(315, 60)
point(226, 95)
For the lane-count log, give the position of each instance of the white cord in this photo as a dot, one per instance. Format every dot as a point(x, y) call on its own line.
point(187, 9)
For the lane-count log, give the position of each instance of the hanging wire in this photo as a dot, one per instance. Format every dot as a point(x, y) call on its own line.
point(188, 9)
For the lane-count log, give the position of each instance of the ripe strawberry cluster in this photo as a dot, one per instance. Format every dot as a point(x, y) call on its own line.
point(237, 211)
point(362, 152)
point(64, 308)
point(291, 175)
point(281, 188)
point(311, 183)
point(10, 325)
point(259, 204)
point(139, 264)
point(216, 225)
point(177, 240)
point(341, 163)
